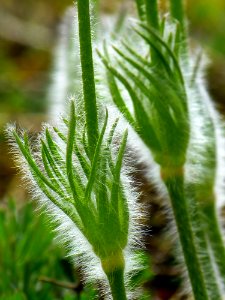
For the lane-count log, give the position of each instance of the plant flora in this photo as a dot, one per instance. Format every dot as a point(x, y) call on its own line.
point(78, 176)
point(156, 84)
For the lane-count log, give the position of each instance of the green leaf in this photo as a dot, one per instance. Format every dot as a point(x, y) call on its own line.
point(52, 163)
point(144, 127)
point(165, 46)
point(95, 161)
point(83, 161)
point(117, 173)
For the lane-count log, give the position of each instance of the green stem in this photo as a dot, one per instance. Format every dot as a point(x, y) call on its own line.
point(178, 13)
point(152, 18)
point(88, 73)
point(140, 9)
point(200, 227)
point(215, 236)
point(117, 286)
point(113, 266)
point(152, 15)
point(175, 186)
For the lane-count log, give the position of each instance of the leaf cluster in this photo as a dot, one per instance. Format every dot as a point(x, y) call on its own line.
point(156, 87)
point(88, 190)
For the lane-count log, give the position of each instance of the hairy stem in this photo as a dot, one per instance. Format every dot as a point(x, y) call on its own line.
point(204, 198)
point(117, 286)
point(215, 235)
point(175, 186)
point(88, 72)
point(113, 267)
point(201, 230)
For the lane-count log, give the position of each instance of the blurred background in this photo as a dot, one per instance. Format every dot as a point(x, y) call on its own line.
point(31, 265)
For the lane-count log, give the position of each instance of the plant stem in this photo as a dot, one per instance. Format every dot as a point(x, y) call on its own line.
point(201, 229)
point(140, 9)
point(117, 286)
point(215, 235)
point(175, 186)
point(113, 266)
point(177, 12)
point(88, 73)
point(152, 15)
point(152, 18)
point(204, 197)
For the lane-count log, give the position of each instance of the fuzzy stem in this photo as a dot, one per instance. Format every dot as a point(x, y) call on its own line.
point(88, 78)
point(117, 286)
point(215, 235)
point(201, 229)
point(175, 186)
point(113, 267)
point(152, 13)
